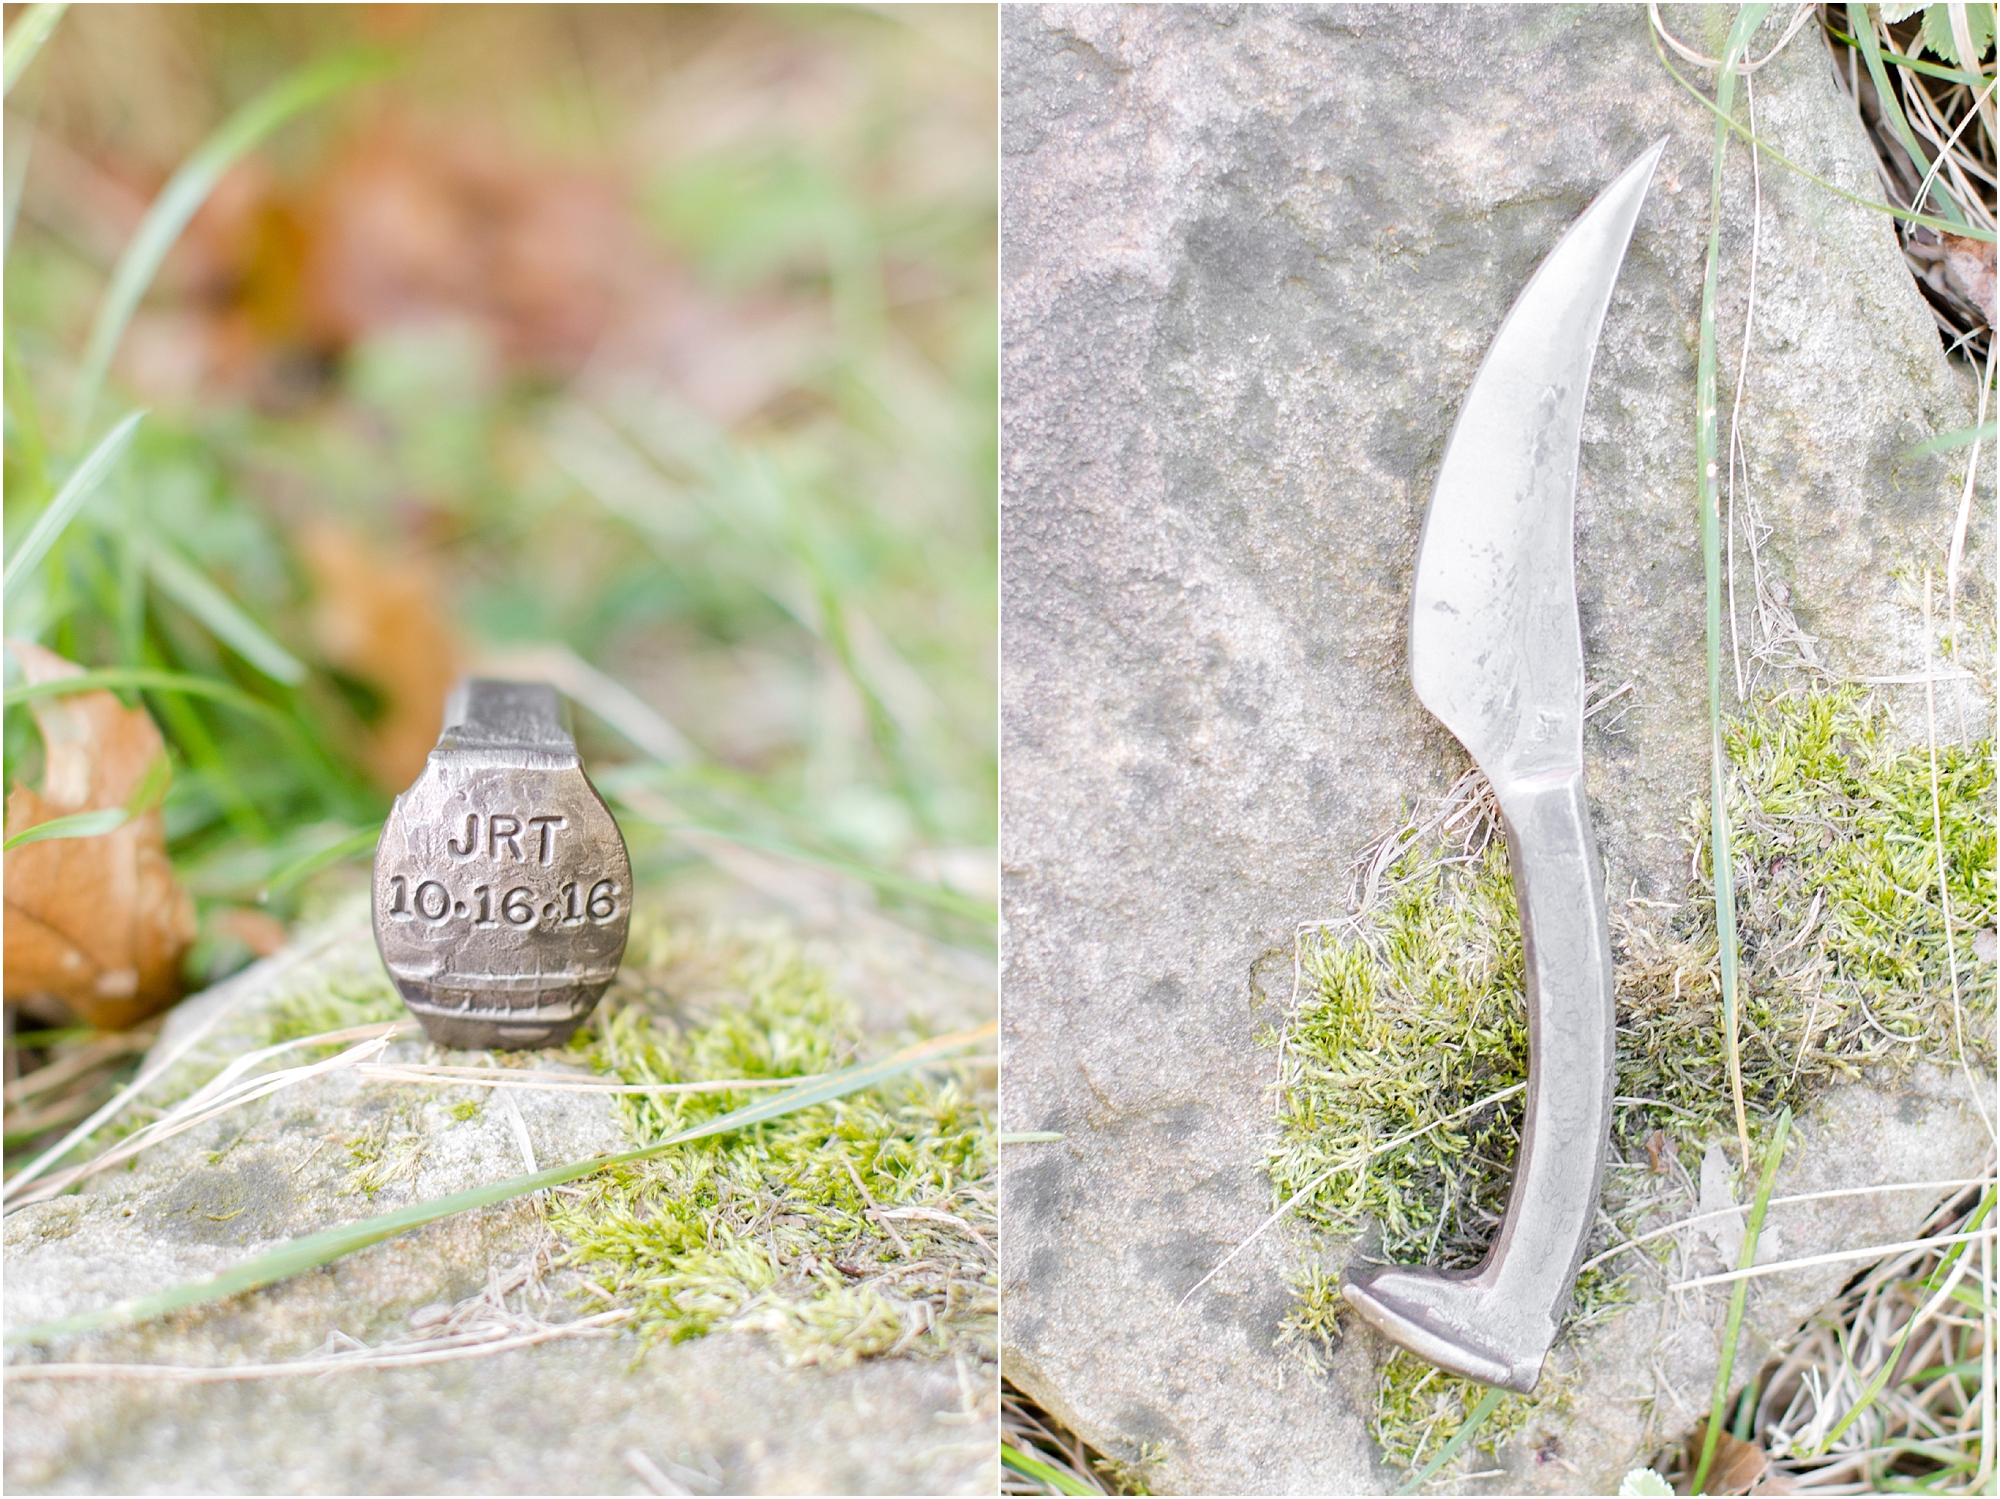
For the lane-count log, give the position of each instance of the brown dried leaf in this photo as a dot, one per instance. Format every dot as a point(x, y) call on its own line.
point(409, 228)
point(380, 621)
point(1739, 1467)
point(100, 922)
point(1969, 267)
point(1660, 1153)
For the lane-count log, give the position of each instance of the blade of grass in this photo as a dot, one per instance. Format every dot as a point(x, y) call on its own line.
point(315, 1250)
point(146, 679)
point(79, 487)
point(1047, 1474)
point(1732, 1328)
point(1892, 106)
point(633, 792)
point(191, 588)
point(1832, 1257)
point(36, 26)
point(1949, 146)
point(1945, 442)
point(1914, 64)
point(1476, 1418)
point(1953, 1266)
point(76, 825)
point(363, 841)
point(183, 196)
point(155, 679)
point(1908, 216)
point(1721, 858)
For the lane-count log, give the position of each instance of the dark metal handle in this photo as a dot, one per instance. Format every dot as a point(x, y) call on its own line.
point(1495, 1324)
point(493, 714)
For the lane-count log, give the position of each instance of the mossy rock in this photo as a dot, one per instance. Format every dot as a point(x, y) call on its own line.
point(779, 1333)
point(1252, 259)
point(1411, 1015)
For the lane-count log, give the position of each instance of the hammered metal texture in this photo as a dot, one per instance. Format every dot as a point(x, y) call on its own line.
point(1497, 654)
point(502, 887)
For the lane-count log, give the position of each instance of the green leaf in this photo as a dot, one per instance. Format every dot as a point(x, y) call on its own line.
point(1939, 40)
point(1644, 1483)
point(1046, 1474)
point(1871, 52)
point(1908, 216)
point(1488, 1402)
point(76, 825)
point(191, 588)
point(146, 679)
point(69, 499)
point(1733, 1326)
point(35, 27)
point(1964, 437)
point(183, 196)
point(314, 1250)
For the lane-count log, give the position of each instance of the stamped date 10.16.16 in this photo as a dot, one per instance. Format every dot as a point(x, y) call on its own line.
point(432, 901)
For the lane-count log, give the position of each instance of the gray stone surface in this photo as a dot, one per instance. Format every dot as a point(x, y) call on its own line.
point(564, 1416)
point(1252, 257)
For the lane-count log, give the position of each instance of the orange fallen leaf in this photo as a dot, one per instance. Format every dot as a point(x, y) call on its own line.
point(411, 228)
point(379, 621)
point(98, 922)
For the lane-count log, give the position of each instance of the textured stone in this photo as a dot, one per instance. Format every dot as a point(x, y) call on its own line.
point(564, 1416)
point(1252, 257)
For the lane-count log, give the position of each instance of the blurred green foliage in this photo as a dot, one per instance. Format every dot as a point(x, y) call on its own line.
point(803, 583)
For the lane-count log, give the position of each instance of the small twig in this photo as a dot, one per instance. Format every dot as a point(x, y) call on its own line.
point(1730, 1212)
point(874, 1209)
point(1867, 1252)
point(556, 1082)
point(933, 1215)
point(421, 1353)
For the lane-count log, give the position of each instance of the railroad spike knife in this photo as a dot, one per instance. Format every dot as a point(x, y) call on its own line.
point(502, 887)
point(1496, 654)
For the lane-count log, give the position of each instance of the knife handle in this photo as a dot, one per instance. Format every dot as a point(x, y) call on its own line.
point(1495, 1324)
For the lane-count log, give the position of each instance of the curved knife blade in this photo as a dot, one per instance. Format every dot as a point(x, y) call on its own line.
point(1497, 655)
point(1494, 647)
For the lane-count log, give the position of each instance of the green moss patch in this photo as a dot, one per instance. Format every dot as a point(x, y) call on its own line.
point(335, 1003)
point(1417, 1012)
point(855, 1229)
